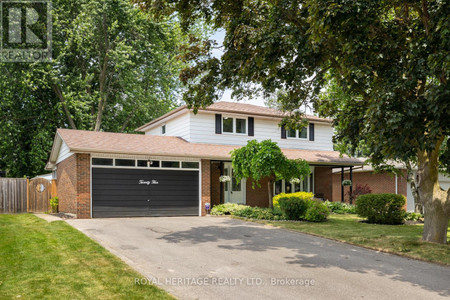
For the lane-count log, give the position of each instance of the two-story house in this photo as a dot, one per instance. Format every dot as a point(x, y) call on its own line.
point(173, 169)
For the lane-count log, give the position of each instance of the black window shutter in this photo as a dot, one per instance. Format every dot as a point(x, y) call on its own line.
point(218, 123)
point(283, 132)
point(251, 126)
point(311, 132)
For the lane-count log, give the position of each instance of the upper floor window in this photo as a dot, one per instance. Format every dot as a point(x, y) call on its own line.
point(163, 129)
point(302, 134)
point(234, 125)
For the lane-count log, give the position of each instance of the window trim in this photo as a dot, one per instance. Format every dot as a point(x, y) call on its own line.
point(297, 134)
point(148, 165)
point(234, 122)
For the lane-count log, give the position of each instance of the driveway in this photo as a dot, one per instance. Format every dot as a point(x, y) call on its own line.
point(222, 258)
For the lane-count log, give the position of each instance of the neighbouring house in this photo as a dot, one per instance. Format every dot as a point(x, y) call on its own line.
point(380, 182)
point(173, 169)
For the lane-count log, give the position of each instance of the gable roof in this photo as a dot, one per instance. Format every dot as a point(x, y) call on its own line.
point(236, 108)
point(80, 141)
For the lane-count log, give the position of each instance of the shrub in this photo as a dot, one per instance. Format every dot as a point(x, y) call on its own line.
point(226, 209)
point(317, 211)
point(259, 213)
point(412, 216)
point(358, 191)
point(294, 208)
point(340, 208)
point(54, 202)
point(302, 195)
point(381, 208)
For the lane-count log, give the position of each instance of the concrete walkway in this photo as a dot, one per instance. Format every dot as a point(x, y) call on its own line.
point(222, 258)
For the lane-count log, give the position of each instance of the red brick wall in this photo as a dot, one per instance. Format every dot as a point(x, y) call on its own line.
point(66, 184)
point(323, 183)
point(258, 196)
point(84, 186)
point(378, 182)
point(206, 184)
point(215, 183)
point(73, 185)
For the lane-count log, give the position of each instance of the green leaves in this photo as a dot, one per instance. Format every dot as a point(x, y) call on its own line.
point(265, 159)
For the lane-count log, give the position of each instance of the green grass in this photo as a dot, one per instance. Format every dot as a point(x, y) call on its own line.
point(399, 239)
point(40, 260)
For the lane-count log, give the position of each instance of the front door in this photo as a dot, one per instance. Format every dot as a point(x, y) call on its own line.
point(234, 190)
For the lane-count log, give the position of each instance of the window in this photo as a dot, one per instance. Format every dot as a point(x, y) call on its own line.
point(303, 133)
point(163, 129)
point(228, 124)
point(234, 125)
point(142, 163)
point(102, 161)
point(154, 164)
point(190, 165)
point(125, 163)
point(283, 186)
point(292, 133)
point(241, 126)
point(170, 164)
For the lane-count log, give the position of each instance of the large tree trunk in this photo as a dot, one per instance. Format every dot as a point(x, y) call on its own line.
point(435, 200)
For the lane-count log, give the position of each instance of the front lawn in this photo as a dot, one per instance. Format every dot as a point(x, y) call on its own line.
point(41, 260)
point(399, 239)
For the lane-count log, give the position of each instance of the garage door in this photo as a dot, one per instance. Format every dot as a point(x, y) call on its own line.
point(137, 192)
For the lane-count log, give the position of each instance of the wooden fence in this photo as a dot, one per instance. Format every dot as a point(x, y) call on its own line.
point(19, 195)
point(13, 195)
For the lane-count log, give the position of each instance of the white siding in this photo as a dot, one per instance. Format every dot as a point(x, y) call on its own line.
point(178, 126)
point(202, 130)
point(64, 152)
point(444, 182)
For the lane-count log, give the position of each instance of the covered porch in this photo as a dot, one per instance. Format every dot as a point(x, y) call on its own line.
point(320, 182)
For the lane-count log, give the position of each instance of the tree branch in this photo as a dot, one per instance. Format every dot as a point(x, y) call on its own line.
point(58, 93)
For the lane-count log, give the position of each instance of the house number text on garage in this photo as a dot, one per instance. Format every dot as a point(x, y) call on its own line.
point(148, 182)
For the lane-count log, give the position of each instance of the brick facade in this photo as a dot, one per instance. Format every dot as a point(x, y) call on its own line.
point(323, 183)
point(66, 184)
point(206, 184)
point(215, 184)
point(73, 185)
point(378, 183)
point(84, 186)
point(259, 196)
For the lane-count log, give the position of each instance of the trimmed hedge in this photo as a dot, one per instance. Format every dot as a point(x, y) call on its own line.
point(302, 195)
point(381, 208)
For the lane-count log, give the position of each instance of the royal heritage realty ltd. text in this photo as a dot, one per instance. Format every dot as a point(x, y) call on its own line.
point(225, 281)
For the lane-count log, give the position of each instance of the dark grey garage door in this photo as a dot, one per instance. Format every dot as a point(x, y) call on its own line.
point(139, 192)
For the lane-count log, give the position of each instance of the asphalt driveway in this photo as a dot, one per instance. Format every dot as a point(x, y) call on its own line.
point(222, 258)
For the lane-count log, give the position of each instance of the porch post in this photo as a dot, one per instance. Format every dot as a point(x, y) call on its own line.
point(351, 186)
point(342, 186)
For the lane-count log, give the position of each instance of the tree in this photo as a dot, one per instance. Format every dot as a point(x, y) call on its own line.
point(113, 68)
point(391, 57)
point(266, 160)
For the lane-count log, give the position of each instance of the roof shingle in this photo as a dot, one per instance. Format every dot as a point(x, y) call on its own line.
point(150, 145)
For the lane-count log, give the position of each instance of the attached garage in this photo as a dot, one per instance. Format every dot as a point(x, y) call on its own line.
point(144, 191)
